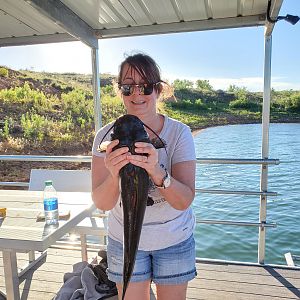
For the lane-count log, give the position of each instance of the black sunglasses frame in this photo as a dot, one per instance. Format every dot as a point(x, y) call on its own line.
point(144, 89)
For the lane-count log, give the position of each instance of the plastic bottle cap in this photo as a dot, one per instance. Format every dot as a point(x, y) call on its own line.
point(48, 182)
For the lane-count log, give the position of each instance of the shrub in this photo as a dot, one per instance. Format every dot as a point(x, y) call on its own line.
point(199, 105)
point(182, 84)
point(78, 105)
point(26, 95)
point(244, 104)
point(3, 72)
point(183, 104)
point(294, 104)
point(191, 94)
point(58, 136)
point(203, 85)
point(111, 108)
point(288, 102)
point(35, 127)
point(109, 90)
point(189, 105)
point(4, 131)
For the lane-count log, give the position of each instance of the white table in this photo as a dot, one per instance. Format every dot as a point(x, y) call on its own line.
point(20, 232)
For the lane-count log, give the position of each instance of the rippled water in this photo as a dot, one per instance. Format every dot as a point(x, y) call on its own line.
point(240, 242)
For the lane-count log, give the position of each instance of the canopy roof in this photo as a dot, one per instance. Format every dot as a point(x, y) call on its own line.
point(24, 22)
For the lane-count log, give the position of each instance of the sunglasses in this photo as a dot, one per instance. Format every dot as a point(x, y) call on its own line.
point(144, 89)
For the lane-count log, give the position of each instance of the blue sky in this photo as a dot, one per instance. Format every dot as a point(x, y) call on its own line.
point(224, 57)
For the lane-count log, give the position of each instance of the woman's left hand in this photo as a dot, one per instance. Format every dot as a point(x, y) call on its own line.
point(149, 161)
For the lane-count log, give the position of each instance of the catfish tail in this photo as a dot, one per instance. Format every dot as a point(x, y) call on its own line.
point(134, 184)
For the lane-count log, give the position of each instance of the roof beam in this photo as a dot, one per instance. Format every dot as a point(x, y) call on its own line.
point(67, 19)
point(240, 7)
point(177, 11)
point(274, 11)
point(36, 39)
point(257, 20)
point(208, 9)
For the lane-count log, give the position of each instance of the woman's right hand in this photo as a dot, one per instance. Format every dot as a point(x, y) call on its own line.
point(115, 160)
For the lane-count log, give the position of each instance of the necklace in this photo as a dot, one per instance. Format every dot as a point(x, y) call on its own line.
point(157, 128)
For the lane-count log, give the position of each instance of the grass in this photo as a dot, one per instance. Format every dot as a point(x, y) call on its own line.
point(52, 111)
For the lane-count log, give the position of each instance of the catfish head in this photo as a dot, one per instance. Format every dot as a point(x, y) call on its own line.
point(129, 129)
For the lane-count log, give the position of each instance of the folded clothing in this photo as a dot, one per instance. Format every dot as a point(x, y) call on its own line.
point(87, 282)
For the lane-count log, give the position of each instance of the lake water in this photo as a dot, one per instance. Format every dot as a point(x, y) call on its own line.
point(240, 242)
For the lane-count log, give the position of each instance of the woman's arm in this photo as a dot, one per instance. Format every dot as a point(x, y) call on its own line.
point(181, 192)
point(105, 176)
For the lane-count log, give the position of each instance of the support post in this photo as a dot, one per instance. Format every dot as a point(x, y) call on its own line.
point(11, 274)
point(265, 149)
point(96, 90)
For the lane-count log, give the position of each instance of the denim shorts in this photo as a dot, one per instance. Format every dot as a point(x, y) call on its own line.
point(172, 265)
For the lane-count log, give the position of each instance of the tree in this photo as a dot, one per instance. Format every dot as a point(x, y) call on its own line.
point(232, 88)
point(179, 84)
point(203, 85)
point(240, 93)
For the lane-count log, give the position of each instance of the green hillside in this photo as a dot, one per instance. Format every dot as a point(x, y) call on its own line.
point(53, 113)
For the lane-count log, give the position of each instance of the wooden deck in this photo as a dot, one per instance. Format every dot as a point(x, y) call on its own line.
point(214, 281)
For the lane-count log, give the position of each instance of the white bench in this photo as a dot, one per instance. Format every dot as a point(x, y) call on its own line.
point(73, 181)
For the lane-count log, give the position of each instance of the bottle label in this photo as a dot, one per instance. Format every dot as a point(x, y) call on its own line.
point(50, 204)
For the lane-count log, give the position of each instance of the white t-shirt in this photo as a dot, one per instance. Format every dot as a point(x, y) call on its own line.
point(163, 225)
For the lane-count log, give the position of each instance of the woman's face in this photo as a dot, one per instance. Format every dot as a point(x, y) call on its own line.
point(137, 104)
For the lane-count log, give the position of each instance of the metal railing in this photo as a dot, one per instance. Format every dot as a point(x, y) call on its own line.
point(292, 260)
point(87, 159)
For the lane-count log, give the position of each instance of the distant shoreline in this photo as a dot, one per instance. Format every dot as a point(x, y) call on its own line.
point(197, 131)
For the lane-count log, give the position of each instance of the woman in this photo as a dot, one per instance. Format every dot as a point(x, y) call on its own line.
point(166, 253)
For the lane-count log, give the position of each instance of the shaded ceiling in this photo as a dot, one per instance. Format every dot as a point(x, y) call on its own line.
point(24, 22)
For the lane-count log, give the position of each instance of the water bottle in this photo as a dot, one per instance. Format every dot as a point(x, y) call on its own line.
point(50, 204)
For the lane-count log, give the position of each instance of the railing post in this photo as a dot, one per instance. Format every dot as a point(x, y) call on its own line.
point(265, 149)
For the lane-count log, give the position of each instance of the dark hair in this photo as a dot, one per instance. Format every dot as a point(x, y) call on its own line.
point(145, 66)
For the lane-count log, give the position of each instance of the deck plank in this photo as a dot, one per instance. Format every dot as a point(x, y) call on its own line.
point(214, 281)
